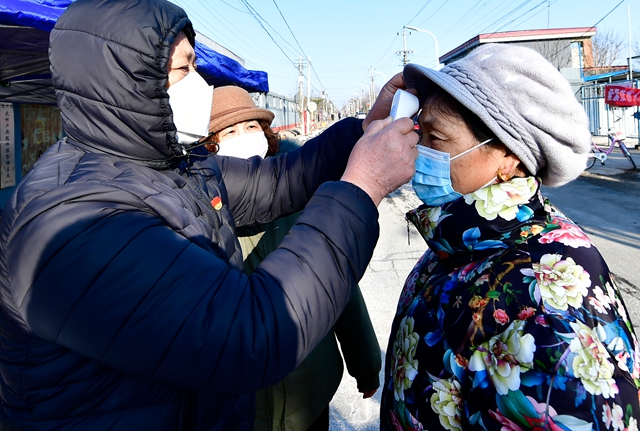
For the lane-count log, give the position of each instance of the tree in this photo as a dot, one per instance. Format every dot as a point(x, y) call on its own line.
point(607, 49)
point(557, 52)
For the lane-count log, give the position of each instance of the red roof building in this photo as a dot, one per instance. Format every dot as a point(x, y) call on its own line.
point(563, 47)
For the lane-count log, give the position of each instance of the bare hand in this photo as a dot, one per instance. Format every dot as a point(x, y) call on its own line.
point(381, 108)
point(384, 158)
point(368, 394)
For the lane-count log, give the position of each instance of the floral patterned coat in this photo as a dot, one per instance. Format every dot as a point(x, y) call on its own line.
point(510, 322)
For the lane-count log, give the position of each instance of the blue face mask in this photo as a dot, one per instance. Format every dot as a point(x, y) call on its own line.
point(432, 180)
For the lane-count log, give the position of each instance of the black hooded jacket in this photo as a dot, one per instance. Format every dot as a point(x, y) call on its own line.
point(124, 305)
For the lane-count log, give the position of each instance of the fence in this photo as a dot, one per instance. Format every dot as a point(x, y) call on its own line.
point(603, 117)
point(284, 108)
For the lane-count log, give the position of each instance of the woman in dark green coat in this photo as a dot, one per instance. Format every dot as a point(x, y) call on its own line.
point(301, 401)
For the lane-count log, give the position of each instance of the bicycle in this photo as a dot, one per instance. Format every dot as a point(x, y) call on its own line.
point(601, 155)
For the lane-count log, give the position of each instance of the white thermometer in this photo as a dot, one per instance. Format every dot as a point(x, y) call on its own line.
point(404, 104)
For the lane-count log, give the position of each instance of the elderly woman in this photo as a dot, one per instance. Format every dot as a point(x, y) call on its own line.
point(511, 320)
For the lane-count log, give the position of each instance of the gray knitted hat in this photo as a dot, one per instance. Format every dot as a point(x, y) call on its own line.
point(524, 100)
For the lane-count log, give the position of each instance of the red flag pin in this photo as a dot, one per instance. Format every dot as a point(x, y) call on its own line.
point(216, 203)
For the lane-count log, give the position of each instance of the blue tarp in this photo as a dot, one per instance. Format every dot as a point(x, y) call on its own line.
point(24, 65)
point(40, 14)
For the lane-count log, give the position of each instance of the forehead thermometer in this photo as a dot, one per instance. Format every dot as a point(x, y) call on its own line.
point(404, 104)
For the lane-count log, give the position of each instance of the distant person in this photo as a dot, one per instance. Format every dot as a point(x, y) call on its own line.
point(125, 305)
point(511, 319)
point(301, 401)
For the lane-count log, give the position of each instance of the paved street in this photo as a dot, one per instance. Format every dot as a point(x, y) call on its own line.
point(381, 285)
point(605, 202)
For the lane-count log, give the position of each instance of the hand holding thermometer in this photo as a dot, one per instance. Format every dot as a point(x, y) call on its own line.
point(404, 104)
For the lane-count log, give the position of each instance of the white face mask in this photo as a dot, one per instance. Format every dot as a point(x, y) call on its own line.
point(245, 146)
point(191, 99)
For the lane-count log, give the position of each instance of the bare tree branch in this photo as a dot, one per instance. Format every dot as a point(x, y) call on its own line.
point(607, 48)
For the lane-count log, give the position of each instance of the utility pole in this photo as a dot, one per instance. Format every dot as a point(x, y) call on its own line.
point(385, 80)
point(324, 105)
point(300, 83)
point(631, 81)
point(308, 112)
point(630, 51)
point(404, 52)
point(373, 90)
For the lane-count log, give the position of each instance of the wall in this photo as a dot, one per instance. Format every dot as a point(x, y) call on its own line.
point(16, 156)
point(36, 128)
point(41, 127)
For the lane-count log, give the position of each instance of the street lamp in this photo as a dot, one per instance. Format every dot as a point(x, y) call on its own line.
point(373, 90)
point(379, 73)
point(368, 95)
point(438, 65)
point(357, 100)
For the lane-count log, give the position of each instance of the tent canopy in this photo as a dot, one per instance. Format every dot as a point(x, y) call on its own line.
point(24, 62)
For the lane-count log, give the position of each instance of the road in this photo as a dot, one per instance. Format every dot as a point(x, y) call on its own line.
point(604, 201)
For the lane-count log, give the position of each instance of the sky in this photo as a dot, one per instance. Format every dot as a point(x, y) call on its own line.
point(351, 41)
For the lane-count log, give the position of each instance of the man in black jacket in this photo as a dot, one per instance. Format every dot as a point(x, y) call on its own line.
point(124, 304)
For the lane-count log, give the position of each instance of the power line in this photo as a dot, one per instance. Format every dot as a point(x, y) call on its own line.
point(461, 20)
point(392, 59)
point(260, 19)
point(386, 51)
point(234, 8)
point(468, 22)
point(434, 12)
point(542, 3)
point(290, 31)
point(497, 23)
point(296, 39)
point(221, 38)
point(255, 15)
point(601, 19)
point(296, 52)
point(505, 16)
point(421, 9)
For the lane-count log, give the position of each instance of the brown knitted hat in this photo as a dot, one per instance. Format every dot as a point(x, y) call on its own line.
point(233, 105)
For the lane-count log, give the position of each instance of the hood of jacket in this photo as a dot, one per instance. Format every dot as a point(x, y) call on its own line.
point(110, 77)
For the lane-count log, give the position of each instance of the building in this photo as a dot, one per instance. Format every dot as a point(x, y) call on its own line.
point(569, 49)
